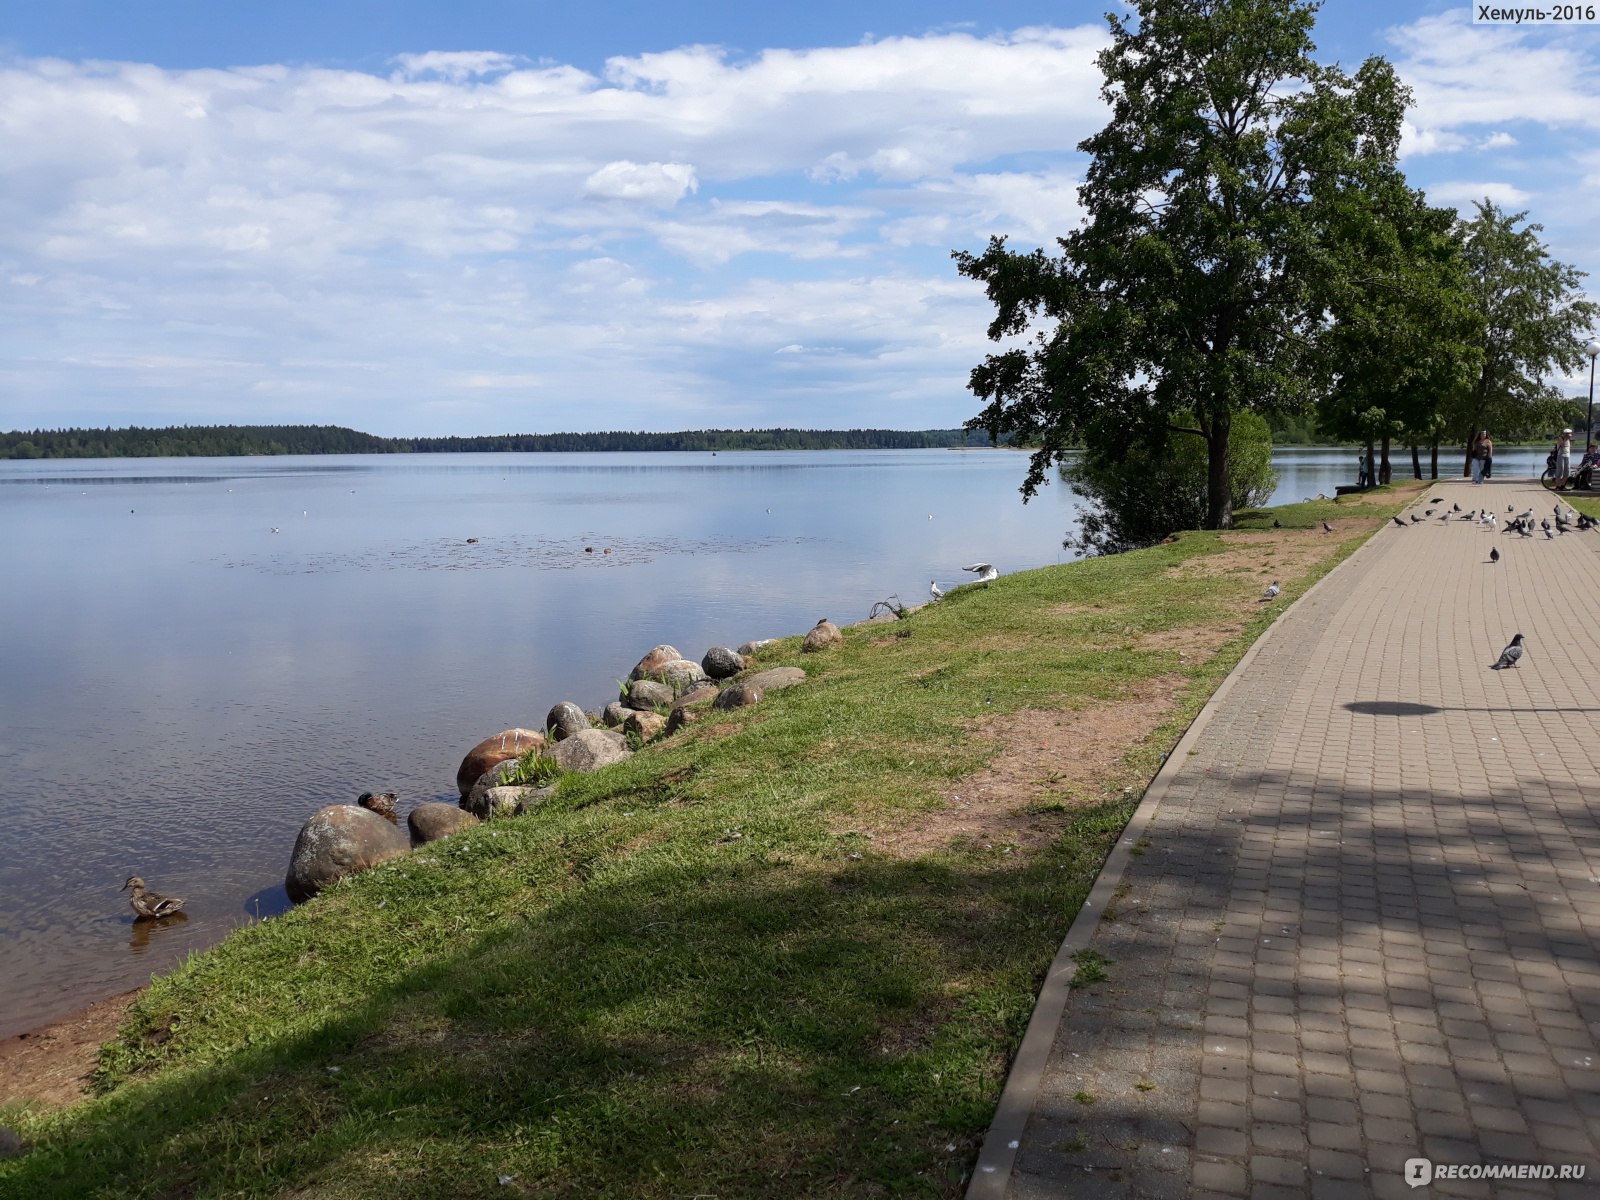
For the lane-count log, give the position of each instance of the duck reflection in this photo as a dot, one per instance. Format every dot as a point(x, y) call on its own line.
point(140, 932)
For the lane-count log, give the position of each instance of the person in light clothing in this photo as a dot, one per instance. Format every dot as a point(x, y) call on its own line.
point(1563, 463)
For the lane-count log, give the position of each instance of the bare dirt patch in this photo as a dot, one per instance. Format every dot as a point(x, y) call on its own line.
point(1195, 643)
point(1276, 552)
point(1043, 755)
point(50, 1067)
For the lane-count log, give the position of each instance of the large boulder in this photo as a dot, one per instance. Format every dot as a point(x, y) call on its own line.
point(647, 693)
point(656, 658)
point(509, 743)
point(776, 678)
point(680, 675)
point(824, 634)
point(337, 841)
point(590, 749)
point(737, 695)
point(564, 720)
point(432, 821)
point(722, 663)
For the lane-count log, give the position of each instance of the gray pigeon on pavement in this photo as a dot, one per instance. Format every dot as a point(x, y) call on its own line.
point(1509, 656)
point(1272, 591)
point(1494, 555)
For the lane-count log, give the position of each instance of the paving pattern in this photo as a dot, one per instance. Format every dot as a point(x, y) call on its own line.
point(1362, 922)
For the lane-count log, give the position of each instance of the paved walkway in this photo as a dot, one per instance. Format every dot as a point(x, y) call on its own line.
point(1360, 923)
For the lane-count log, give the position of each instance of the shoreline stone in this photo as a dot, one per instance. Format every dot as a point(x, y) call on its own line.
point(508, 743)
point(338, 841)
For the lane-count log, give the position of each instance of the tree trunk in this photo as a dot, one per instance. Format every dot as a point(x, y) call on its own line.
point(1416, 461)
point(1435, 459)
point(1219, 489)
point(1385, 471)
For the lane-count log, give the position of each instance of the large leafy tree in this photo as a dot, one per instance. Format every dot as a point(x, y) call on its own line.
point(1402, 334)
point(1532, 322)
point(1190, 286)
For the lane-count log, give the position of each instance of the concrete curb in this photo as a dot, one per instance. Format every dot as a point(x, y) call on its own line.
point(991, 1175)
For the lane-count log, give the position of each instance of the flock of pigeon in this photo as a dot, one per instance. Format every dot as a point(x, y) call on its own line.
point(1566, 520)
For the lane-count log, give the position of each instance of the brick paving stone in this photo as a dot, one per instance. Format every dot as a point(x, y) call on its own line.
point(1401, 847)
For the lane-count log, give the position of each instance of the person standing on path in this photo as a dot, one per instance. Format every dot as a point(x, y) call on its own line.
point(1475, 457)
point(1487, 444)
point(1563, 463)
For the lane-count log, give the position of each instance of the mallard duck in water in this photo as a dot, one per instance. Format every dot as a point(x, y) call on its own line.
point(150, 906)
point(381, 803)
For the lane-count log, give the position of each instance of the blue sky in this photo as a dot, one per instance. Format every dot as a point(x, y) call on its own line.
point(419, 218)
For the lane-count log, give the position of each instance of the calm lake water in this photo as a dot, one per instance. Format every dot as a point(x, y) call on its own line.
point(196, 654)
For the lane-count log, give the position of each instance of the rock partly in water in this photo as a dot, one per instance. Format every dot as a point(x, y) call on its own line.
point(615, 714)
point(650, 662)
point(722, 663)
point(337, 841)
point(564, 720)
point(509, 743)
point(647, 693)
point(645, 724)
point(432, 821)
point(776, 678)
point(823, 635)
point(590, 749)
point(737, 695)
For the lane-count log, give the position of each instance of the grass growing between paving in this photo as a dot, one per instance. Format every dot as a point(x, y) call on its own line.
point(693, 973)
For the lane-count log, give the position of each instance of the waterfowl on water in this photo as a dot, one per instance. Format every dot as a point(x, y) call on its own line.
point(381, 803)
point(148, 905)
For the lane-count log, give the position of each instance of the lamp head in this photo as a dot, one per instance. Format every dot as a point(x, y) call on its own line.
point(1593, 348)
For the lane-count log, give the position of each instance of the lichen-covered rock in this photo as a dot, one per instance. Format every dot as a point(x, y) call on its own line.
point(680, 675)
point(776, 678)
point(647, 693)
point(590, 749)
point(645, 724)
point(614, 714)
point(337, 841)
point(737, 695)
point(432, 821)
point(650, 662)
point(509, 743)
point(564, 720)
point(722, 663)
point(506, 800)
point(823, 635)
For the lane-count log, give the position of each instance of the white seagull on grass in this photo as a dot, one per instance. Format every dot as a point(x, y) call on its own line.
point(934, 589)
point(983, 571)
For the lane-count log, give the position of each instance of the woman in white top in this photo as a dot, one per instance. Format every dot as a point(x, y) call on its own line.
point(1563, 466)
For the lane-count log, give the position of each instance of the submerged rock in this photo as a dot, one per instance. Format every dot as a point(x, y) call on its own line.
point(432, 821)
point(337, 841)
point(508, 743)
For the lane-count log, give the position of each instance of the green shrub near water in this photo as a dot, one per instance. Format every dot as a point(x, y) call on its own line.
point(704, 969)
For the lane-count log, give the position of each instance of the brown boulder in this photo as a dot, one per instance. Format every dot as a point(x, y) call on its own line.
point(509, 743)
point(737, 695)
point(680, 717)
point(337, 841)
point(775, 678)
point(645, 724)
point(647, 693)
point(430, 822)
point(653, 661)
point(703, 693)
point(823, 635)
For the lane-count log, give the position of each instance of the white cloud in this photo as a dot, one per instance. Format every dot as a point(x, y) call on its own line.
point(456, 65)
point(1462, 194)
point(662, 184)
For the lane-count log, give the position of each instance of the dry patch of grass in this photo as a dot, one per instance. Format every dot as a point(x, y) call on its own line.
point(1194, 643)
point(1063, 756)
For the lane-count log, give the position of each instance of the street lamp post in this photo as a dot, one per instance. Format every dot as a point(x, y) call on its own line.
point(1593, 350)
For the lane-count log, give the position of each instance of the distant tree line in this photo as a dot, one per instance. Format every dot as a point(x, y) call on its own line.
point(182, 441)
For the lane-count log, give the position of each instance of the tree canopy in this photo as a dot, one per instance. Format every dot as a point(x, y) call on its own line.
point(1194, 284)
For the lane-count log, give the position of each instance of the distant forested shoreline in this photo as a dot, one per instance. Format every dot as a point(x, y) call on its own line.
point(180, 441)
